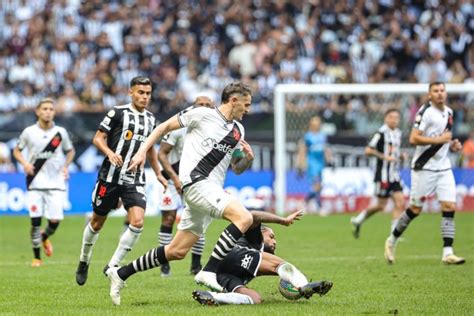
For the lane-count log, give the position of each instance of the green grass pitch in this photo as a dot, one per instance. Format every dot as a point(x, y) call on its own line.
point(323, 248)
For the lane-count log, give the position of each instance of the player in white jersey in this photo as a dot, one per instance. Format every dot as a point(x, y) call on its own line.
point(431, 171)
point(50, 151)
point(169, 155)
point(214, 140)
point(385, 146)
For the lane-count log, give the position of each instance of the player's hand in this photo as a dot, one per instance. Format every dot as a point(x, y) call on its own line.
point(404, 156)
point(115, 159)
point(455, 145)
point(247, 150)
point(138, 161)
point(295, 216)
point(29, 169)
point(66, 173)
point(390, 158)
point(162, 180)
point(445, 137)
point(177, 184)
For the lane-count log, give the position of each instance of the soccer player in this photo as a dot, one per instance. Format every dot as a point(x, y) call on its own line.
point(121, 133)
point(431, 171)
point(254, 255)
point(171, 147)
point(214, 140)
point(312, 157)
point(50, 151)
point(385, 146)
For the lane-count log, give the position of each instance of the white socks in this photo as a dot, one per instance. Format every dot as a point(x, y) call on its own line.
point(89, 238)
point(360, 218)
point(231, 298)
point(447, 251)
point(289, 273)
point(128, 239)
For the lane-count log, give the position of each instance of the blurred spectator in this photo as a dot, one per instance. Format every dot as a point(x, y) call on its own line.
point(468, 151)
point(6, 164)
point(94, 48)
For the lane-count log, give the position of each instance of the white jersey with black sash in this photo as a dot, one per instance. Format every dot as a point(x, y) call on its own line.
point(127, 129)
point(208, 146)
point(46, 152)
point(432, 122)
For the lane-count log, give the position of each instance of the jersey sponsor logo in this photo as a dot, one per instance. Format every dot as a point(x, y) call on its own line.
point(111, 113)
point(128, 135)
point(211, 142)
point(246, 261)
point(44, 155)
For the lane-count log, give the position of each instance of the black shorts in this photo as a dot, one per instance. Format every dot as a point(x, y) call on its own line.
point(238, 268)
point(106, 196)
point(385, 189)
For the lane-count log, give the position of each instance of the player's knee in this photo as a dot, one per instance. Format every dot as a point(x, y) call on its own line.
point(96, 224)
point(246, 220)
point(168, 219)
point(448, 206)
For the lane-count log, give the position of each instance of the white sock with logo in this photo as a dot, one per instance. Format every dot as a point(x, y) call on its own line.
point(89, 238)
point(289, 273)
point(231, 298)
point(128, 239)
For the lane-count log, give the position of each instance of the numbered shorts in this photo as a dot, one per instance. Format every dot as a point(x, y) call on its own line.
point(238, 268)
point(204, 200)
point(170, 200)
point(47, 203)
point(424, 183)
point(385, 189)
point(106, 195)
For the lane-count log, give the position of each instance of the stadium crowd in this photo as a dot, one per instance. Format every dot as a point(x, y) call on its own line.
point(84, 53)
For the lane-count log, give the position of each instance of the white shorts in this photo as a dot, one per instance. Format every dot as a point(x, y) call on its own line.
point(204, 200)
point(170, 200)
point(424, 183)
point(47, 203)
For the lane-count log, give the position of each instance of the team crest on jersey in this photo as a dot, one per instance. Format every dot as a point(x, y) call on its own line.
point(128, 135)
point(56, 141)
point(111, 113)
point(236, 134)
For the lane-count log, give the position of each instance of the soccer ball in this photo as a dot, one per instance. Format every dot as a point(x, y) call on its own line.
point(288, 290)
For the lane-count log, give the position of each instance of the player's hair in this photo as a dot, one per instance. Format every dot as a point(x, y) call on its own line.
point(235, 88)
point(391, 110)
point(435, 83)
point(263, 228)
point(43, 101)
point(140, 80)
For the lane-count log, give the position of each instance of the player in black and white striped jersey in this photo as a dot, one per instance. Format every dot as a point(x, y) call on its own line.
point(431, 171)
point(385, 146)
point(214, 141)
point(120, 135)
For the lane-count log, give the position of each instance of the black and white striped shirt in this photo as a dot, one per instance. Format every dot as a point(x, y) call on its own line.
point(387, 141)
point(127, 129)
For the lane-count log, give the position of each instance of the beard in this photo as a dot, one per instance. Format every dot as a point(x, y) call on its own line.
point(268, 249)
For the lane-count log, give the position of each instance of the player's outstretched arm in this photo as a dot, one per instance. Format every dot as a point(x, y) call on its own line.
point(266, 217)
point(167, 126)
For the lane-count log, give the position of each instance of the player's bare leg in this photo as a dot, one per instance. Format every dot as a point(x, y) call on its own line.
point(358, 220)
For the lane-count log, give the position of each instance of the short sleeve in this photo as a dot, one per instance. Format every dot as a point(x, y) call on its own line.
point(421, 120)
point(23, 140)
point(109, 121)
point(66, 143)
point(191, 116)
point(375, 140)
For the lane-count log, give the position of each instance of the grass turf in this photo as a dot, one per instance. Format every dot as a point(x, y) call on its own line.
point(323, 248)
